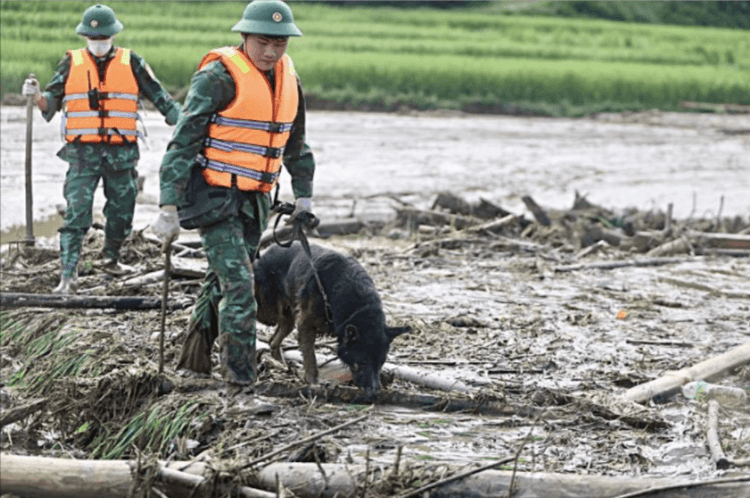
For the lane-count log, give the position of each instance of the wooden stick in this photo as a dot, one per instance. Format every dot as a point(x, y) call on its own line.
point(611, 265)
point(29, 180)
point(303, 441)
point(22, 299)
point(164, 297)
point(670, 383)
point(712, 436)
point(21, 412)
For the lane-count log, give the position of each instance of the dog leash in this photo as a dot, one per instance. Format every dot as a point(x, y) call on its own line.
point(299, 222)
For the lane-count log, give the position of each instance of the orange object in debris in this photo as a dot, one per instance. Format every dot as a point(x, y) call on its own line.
point(621, 315)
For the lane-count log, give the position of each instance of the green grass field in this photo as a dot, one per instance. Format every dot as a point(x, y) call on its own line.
point(476, 57)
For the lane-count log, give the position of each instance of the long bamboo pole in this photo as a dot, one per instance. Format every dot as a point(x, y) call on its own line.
point(29, 191)
point(669, 384)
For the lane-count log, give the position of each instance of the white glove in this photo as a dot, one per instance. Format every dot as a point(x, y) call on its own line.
point(166, 225)
point(31, 89)
point(300, 205)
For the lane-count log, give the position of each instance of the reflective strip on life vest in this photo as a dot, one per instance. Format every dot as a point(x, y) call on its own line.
point(106, 131)
point(269, 178)
point(102, 96)
point(102, 114)
point(252, 125)
point(274, 152)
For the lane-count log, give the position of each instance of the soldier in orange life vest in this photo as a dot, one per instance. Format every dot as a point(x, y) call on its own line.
point(244, 118)
point(98, 89)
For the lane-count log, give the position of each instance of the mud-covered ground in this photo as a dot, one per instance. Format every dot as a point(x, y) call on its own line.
point(501, 312)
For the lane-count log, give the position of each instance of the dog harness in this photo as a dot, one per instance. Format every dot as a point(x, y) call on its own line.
point(246, 140)
point(101, 111)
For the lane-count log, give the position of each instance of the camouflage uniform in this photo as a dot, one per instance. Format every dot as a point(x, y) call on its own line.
point(114, 164)
point(226, 306)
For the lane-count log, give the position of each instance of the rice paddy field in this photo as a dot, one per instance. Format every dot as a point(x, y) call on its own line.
point(475, 57)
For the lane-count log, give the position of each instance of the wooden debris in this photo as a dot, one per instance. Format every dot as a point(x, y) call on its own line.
point(611, 265)
point(712, 436)
point(32, 477)
point(720, 240)
point(539, 214)
point(412, 217)
point(662, 388)
point(307, 481)
point(680, 245)
point(497, 225)
point(9, 416)
point(456, 205)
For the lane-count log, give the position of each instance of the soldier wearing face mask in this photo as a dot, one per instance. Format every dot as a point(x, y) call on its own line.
point(97, 89)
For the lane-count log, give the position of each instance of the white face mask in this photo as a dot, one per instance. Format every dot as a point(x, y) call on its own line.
point(99, 47)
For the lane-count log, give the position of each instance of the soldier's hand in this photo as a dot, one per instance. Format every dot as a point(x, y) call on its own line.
point(303, 204)
point(166, 225)
point(31, 89)
point(303, 213)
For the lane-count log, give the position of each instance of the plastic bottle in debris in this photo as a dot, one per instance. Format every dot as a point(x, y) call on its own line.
point(725, 395)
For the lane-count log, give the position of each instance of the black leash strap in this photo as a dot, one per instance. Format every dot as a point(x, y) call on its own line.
point(300, 221)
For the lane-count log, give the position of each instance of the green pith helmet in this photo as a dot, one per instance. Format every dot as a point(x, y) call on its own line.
point(268, 17)
point(99, 20)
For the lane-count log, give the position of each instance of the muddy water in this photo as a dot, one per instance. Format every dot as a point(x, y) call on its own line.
point(699, 163)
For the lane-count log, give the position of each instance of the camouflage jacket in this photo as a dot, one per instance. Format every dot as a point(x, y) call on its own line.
point(212, 89)
point(149, 87)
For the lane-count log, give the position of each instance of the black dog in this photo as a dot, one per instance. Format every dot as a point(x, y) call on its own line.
point(288, 294)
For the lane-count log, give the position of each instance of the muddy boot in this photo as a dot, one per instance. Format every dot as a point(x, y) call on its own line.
point(114, 267)
point(67, 285)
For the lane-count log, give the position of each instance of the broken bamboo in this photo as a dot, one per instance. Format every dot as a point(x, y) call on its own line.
point(712, 436)
point(662, 388)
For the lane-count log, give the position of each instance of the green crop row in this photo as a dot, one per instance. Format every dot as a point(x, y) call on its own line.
point(423, 57)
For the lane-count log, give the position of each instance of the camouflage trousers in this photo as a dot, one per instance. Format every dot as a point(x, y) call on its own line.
point(87, 166)
point(226, 304)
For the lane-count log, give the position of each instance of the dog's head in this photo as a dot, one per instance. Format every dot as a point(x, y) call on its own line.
point(363, 346)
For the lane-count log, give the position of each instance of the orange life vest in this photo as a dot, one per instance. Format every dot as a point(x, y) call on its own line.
point(246, 140)
point(114, 120)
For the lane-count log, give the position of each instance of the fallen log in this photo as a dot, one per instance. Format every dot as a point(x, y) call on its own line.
point(662, 388)
point(22, 299)
point(427, 402)
point(41, 477)
point(307, 481)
